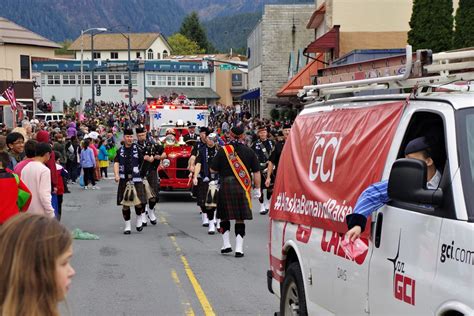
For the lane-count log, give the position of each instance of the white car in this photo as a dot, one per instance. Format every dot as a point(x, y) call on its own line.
point(416, 255)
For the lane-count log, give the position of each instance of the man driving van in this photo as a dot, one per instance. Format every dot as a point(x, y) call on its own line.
point(376, 195)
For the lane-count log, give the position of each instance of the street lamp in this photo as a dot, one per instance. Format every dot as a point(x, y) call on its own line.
point(129, 66)
point(98, 29)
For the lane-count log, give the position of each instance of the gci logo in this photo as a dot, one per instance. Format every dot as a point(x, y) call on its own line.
point(323, 156)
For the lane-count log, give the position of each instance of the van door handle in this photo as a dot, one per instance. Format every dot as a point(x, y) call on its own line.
point(378, 230)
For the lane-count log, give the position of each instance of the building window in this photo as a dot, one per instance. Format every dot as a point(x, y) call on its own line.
point(191, 81)
point(200, 81)
point(54, 80)
point(236, 80)
point(43, 80)
point(87, 79)
point(161, 81)
point(150, 54)
point(96, 55)
point(25, 67)
point(139, 55)
point(181, 81)
point(151, 80)
point(171, 81)
point(134, 79)
point(115, 79)
point(158, 56)
point(114, 55)
point(69, 79)
point(165, 53)
point(103, 79)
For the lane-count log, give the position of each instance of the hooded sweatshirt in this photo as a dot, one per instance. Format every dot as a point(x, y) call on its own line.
point(71, 130)
point(43, 137)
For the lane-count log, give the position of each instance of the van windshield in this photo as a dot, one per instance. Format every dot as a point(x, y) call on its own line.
point(465, 135)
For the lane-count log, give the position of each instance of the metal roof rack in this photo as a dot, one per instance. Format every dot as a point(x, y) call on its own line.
point(412, 70)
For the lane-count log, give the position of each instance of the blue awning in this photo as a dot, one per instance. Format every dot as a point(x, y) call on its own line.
point(250, 95)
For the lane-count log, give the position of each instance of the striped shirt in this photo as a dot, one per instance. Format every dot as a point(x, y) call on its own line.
point(376, 195)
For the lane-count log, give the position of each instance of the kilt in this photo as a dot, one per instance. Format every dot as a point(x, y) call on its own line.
point(138, 186)
point(201, 192)
point(232, 201)
point(154, 182)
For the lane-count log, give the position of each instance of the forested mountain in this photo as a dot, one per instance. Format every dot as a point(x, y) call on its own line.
point(59, 20)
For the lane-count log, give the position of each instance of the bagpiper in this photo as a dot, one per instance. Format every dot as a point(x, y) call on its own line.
point(205, 181)
point(263, 147)
point(235, 163)
point(201, 142)
point(274, 159)
point(153, 153)
point(131, 191)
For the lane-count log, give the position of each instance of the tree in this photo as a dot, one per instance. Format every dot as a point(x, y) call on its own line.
point(431, 25)
point(464, 33)
point(192, 29)
point(182, 45)
point(64, 48)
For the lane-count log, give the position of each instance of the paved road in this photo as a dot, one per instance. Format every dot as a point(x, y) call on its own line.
point(173, 268)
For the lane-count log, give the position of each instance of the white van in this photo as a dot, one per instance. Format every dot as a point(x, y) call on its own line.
point(49, 117)
point(420, 246)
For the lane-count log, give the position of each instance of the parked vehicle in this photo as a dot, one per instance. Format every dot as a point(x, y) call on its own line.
point(419, 248)
point(49, 117)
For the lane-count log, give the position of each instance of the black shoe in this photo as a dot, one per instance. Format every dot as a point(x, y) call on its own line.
point(127, 232)
point(144, 224)
point(264, 213)
point(205, 225)
point(153, 222)
point(211, 233)
point(226, 250)
point(139, 229)
point(66, 192)
point(239, 254)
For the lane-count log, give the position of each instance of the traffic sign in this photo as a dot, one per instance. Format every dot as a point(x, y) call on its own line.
point(227, 67)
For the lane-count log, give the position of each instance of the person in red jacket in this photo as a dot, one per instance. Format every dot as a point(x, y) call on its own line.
point(43, 137)
point(15, 195)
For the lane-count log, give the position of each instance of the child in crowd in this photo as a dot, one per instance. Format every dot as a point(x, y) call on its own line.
point(15, 195)
point(62, 174)
point(36, 253)
point(103, 158)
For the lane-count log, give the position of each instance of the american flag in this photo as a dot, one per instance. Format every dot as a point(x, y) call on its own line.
point(10, 95)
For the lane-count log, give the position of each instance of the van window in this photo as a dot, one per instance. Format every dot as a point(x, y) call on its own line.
point(465, 136)
point(431, 126)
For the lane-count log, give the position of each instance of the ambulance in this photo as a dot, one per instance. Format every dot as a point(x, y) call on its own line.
point(416, 255)
point(167, 113)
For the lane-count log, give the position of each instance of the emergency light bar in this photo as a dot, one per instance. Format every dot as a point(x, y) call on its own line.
point(420, 69)
point(154, 106)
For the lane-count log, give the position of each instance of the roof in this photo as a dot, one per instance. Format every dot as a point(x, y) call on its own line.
point(116, 41)
point(12, 33)
point(191, 93)
point(301, 79)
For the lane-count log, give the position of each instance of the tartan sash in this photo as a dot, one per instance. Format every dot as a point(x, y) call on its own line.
point(240, 171)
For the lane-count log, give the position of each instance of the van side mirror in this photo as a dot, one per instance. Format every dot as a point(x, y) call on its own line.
point(407, 183)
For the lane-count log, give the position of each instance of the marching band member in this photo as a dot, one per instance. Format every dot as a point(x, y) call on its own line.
point(234, 163)
point(263, 147)
point(131, 191)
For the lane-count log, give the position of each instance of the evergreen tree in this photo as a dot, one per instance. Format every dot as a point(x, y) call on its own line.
point(193, 30)
point(464, 33)
point(431, 25)
point(182, 45)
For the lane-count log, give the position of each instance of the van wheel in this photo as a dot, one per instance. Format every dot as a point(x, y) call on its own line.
point(293, 299)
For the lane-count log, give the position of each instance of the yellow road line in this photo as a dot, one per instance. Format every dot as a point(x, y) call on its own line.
point(206, 306)
point(188, 310)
